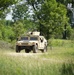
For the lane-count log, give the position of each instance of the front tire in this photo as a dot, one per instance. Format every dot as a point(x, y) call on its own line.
point(35, 48)
point(17, 49)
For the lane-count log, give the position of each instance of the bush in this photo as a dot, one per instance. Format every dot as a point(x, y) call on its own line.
point(72, 35)
point(5, 45)
point(60, 43)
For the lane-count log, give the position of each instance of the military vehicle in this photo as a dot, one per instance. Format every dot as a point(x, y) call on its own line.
point(31, 42)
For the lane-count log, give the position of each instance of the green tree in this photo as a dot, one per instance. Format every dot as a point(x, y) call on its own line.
point(2, 23)
point(9, 33)
point(20, 12)
point(3, 6)
point(51, 17)
point(65, 2)
point(30, 25)
point(18, 29)
point(69, 13)
point(49, 14)
point(6, 31)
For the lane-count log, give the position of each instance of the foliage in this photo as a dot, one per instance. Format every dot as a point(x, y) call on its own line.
point(60, 43)
point(5, 45)
point(18, 29)
point(9, 31)
point(6, 3)
point(3, 5)
point(72, 35)
point(2, 23)
point(47, 16)
point(30, 25)
point(52, 17)
point(65, 1)
point(6, 31)
point(19, 11)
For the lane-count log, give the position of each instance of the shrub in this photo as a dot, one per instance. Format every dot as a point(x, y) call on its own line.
point(5, 45)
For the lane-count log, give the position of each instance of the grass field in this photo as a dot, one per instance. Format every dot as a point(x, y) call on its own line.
point(59, 60)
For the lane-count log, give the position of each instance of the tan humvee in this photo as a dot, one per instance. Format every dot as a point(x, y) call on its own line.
point(33, 41)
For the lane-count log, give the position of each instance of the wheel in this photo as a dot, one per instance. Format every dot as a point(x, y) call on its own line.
point(35, 48)
point(27, 50)
point(17, 48)
point(45, 49)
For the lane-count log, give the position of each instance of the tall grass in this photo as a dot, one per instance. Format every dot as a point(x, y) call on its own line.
point(61, 43)
point(58, 61)
point(67, 68)
point(26, 66)
point(33, 66)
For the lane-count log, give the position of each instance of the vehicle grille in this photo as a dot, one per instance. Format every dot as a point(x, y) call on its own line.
point(24, 44)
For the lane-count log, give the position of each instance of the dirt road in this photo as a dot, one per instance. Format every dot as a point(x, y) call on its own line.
point(23, 54)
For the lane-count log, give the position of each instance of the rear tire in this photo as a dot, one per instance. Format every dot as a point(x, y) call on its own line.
point(44, 50)
point(35, 48)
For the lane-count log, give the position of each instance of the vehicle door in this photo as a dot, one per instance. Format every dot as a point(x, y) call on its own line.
point(41, 43)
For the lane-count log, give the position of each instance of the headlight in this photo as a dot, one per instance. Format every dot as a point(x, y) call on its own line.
point(18, 43)
point(30, 43)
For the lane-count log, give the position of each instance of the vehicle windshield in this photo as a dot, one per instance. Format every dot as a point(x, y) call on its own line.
point(33, 38)
point(24, 38)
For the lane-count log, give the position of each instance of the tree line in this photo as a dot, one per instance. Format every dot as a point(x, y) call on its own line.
point(50, 17)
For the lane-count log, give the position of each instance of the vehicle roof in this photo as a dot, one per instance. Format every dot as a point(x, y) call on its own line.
point(32, 36)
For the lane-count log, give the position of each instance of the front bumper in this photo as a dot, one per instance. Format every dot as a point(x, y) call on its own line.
point(25, 44)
